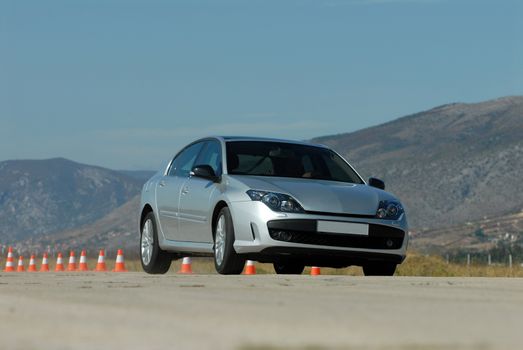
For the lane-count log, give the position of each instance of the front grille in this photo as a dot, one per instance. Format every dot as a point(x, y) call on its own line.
point(380, 237)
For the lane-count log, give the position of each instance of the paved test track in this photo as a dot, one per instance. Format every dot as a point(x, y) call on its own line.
point(139, 311)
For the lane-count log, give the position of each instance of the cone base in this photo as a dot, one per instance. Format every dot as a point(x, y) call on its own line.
point(100, 269)
point(315, 271)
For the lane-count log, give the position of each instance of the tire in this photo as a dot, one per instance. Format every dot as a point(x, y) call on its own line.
point(226, 260)
point(288, 267)
point(154, 260)
point(379, 269)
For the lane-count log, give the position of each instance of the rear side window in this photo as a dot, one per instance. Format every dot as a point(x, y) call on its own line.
point(184, 161)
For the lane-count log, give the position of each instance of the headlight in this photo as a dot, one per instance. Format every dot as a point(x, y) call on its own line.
point(276, 201)
point(389, 210)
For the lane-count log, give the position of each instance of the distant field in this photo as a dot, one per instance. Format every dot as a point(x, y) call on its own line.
point(414, 265)
point(435, 266)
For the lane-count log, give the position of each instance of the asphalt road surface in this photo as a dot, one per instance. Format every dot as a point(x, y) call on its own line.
point(139, 311)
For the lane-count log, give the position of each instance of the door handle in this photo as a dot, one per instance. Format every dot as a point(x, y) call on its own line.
point(185, 190)
point(162, 183)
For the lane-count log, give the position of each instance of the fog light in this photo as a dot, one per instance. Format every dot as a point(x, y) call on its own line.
point(282, 236)
point(390, 243)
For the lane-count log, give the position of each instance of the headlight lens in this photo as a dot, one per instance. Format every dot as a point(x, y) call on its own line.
point(276, 201)
point(388, 210)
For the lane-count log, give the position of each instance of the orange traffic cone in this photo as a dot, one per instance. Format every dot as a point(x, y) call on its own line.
point(59, 263)
point(83, 262)
point(315, 271)
point(20, 267)
point(9, 263)
point(250, 269)
point(100, 265)
point(45, 264)
point(32, 265)
point(120, 265)
point(71, 266)
point(186, 266)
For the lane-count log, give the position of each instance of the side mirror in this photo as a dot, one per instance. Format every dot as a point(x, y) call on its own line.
point(377, 183)
point(205, 172)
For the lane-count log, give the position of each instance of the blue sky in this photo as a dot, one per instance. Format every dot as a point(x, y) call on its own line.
point(125, 84)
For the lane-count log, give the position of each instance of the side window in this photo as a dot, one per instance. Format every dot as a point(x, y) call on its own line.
point(212, 156)
point(183, 163)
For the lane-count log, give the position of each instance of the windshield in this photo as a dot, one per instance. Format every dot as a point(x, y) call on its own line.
point(287, 160)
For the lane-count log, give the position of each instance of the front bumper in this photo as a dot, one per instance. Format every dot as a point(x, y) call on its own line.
point(264, 234)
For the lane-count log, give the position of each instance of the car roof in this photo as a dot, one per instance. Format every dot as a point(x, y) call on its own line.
point(266, 139)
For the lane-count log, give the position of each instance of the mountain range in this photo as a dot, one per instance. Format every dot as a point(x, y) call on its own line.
point(452, 164)
point(457, 168)
point(42, 197)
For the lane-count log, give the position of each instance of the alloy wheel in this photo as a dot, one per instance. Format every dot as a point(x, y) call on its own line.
point(219, 241)
point(147, 242)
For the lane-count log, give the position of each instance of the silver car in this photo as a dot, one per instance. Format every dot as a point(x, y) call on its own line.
point(289, 203)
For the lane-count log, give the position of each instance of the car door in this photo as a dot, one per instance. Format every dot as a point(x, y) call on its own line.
point(196, 196)
point(169, 188)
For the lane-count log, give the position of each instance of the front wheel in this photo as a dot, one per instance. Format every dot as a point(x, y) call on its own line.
point(154, 260)
point(379, 269)
point(226, 260)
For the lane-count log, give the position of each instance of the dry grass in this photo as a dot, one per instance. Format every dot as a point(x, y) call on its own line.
point(414, 265)
point(435, 266)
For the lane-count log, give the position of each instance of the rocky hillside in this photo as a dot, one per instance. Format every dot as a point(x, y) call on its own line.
point(118, 229)
point(39, 197)
point(481, 235)
point(450, 165)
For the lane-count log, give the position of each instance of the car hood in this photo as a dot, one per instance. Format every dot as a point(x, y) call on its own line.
point(322, 195)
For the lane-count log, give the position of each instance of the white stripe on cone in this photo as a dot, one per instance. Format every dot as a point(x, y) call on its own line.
point(101, 258)
point(83, 259)
point(119, 258)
